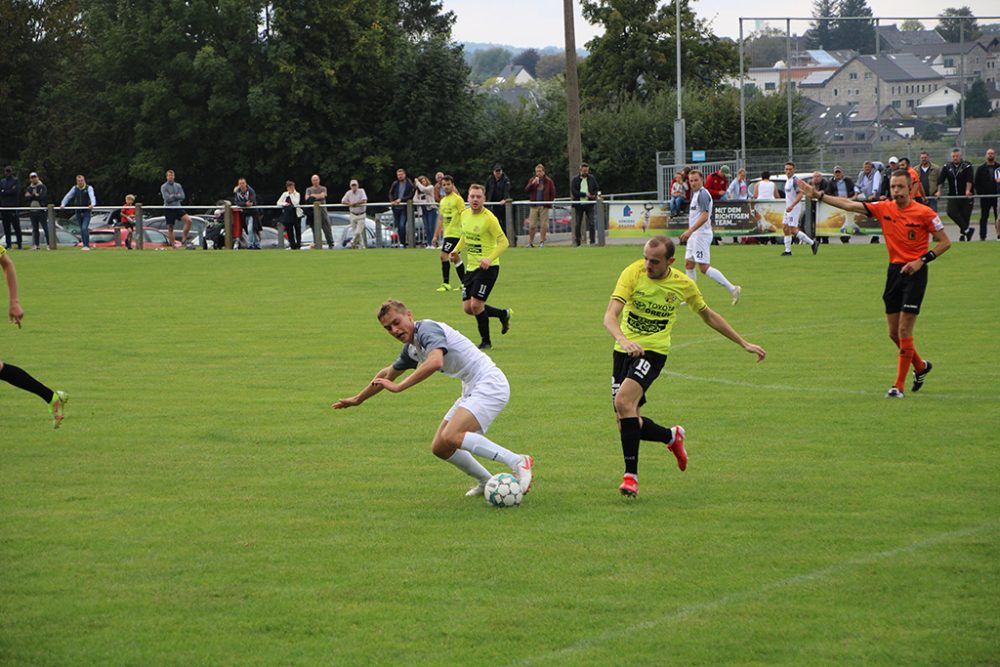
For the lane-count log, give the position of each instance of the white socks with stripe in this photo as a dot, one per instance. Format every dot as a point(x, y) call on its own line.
point(717, 276)
point(464, 461)
point(485, 448)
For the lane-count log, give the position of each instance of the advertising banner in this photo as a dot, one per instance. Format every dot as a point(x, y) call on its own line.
point(738, 218)
point(832, 221)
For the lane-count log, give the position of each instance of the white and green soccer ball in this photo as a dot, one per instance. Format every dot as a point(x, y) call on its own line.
point(503, 491)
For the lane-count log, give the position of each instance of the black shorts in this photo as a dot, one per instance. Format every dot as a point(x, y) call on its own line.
point(173, 215)
point(479, 283)
point(642, 369)
point(904, 293)
point(448, 244)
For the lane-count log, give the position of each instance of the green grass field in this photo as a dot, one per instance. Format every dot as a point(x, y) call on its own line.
point(202, 505)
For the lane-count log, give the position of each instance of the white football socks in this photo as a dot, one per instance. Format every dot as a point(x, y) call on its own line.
point(464, 461)
point(717, 276)
point(692, 274)
point(803, 238)
point(788, 244)
point(485, 448)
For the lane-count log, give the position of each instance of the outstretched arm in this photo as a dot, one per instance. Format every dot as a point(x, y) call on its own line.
point(719, 323)
point(388, 373)
point(840, 202)
point(432, 364)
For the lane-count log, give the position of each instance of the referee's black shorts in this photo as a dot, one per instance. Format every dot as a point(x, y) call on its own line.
point(904, 292)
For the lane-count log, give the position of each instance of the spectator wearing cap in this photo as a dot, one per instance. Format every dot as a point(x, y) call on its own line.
point(539, 188)
point(356, 199)
point(883, 190)
point(498, 193)
point(36, 195)
point(718, 182)
point(10, 189)
point(584, 187)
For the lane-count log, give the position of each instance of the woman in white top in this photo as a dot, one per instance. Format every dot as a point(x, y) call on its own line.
point(425, 197)
point(290, 214)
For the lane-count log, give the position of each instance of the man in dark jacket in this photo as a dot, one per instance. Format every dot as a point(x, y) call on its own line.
point(36, 195)
point(10, 188)
point(957, 174)
point(497, 194)
point(584, 188)
point(987, 183)
point(400, 192)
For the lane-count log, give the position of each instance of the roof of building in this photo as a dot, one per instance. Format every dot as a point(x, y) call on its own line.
point(817, 78)
point(897, 39)
point(899, 67)
point(948, 48)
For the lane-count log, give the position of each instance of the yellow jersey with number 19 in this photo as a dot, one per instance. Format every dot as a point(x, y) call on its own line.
point(651, 305)
point(482, 237)
point(451, 206)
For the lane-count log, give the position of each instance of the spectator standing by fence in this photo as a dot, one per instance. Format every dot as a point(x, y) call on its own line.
point(928, 173)
point(718, 182)
point(36, 195)
point(957, 174)
point(245, 198)
point(316, 194)
point(81, 196)
point(356, 199)
point(869, 181)
point(987, 181)
point(173, 196)
point(497, 193)
point(883, 188)
point(290, 215)
point(429, 212)
point(439, 193)
point(539, 188)
point(917, 192)
point(739, 189)
point(10, 188)
point(584, 187)
point(400, 192)
point(127, 215)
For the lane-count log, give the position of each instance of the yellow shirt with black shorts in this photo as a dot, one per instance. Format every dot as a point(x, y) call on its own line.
point(650, 309)
point(451, 224)
point(482, 238)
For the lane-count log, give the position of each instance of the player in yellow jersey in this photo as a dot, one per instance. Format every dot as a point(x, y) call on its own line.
point(640, 317)
point(483, 241)
point(451, 206)
point(17, 376)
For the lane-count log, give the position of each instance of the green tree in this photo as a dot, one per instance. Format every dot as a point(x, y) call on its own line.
point(958, 22)
point(820, 35)
point(487, 63)
point(550, 66)
point(911, 25)
point(528, 59)
point(765, 47)
point(858, 35)
point(977, 101)
point(635, 56)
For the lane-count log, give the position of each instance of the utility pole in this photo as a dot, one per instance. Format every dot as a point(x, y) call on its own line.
point(680, 150)
point(574, 141)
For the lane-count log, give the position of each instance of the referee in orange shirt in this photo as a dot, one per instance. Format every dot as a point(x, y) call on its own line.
point(906, 224)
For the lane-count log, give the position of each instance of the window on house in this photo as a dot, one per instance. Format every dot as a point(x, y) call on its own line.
point(949, 62)
point(909, 103)
point(859, 136)
point(853, 76)
point(896, 104)
point(769, 85)
point(868, 76)
point(835, 92)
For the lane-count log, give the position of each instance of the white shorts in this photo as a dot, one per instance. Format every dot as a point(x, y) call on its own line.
point(485, 399)
point(792, 219)
point(699, 249)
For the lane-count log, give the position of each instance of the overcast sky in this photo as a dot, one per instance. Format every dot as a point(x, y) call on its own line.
point(538, 23)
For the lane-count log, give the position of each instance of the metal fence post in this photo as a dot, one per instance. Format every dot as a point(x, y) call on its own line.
point(281, 235)
point(600, 219)
point(227, 223)
point(118, 234)
point(378, 229)
point(50, 223)
point(508, 212)
point(139, 233)
point(317, 239)
point(410, 240)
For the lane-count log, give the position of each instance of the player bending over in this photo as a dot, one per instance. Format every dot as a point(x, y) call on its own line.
point(18, 377)
point(906, 225)
point(429, 347)
point(640, 316)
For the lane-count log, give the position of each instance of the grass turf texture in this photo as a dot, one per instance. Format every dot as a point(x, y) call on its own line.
point(203, 505)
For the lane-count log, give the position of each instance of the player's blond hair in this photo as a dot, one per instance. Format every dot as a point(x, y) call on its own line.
point(389, 305)
point(477, 186)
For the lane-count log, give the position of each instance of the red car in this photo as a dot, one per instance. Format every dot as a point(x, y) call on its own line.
point(104, 237)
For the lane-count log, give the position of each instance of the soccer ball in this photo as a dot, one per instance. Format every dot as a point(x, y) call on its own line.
point(503, 491)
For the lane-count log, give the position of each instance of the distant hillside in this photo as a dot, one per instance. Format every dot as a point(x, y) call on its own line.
point(471, 47)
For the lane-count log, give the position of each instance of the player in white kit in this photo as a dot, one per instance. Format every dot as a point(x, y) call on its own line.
point(429, 347)
point(793, 211)
point(699, 237)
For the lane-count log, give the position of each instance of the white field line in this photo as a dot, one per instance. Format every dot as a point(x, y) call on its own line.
point(760, 591)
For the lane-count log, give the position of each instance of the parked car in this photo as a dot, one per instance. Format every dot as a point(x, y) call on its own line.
point(104, 237)
point(195, 236)
point(342, 236)
point(560, 219)
point(63, 237)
